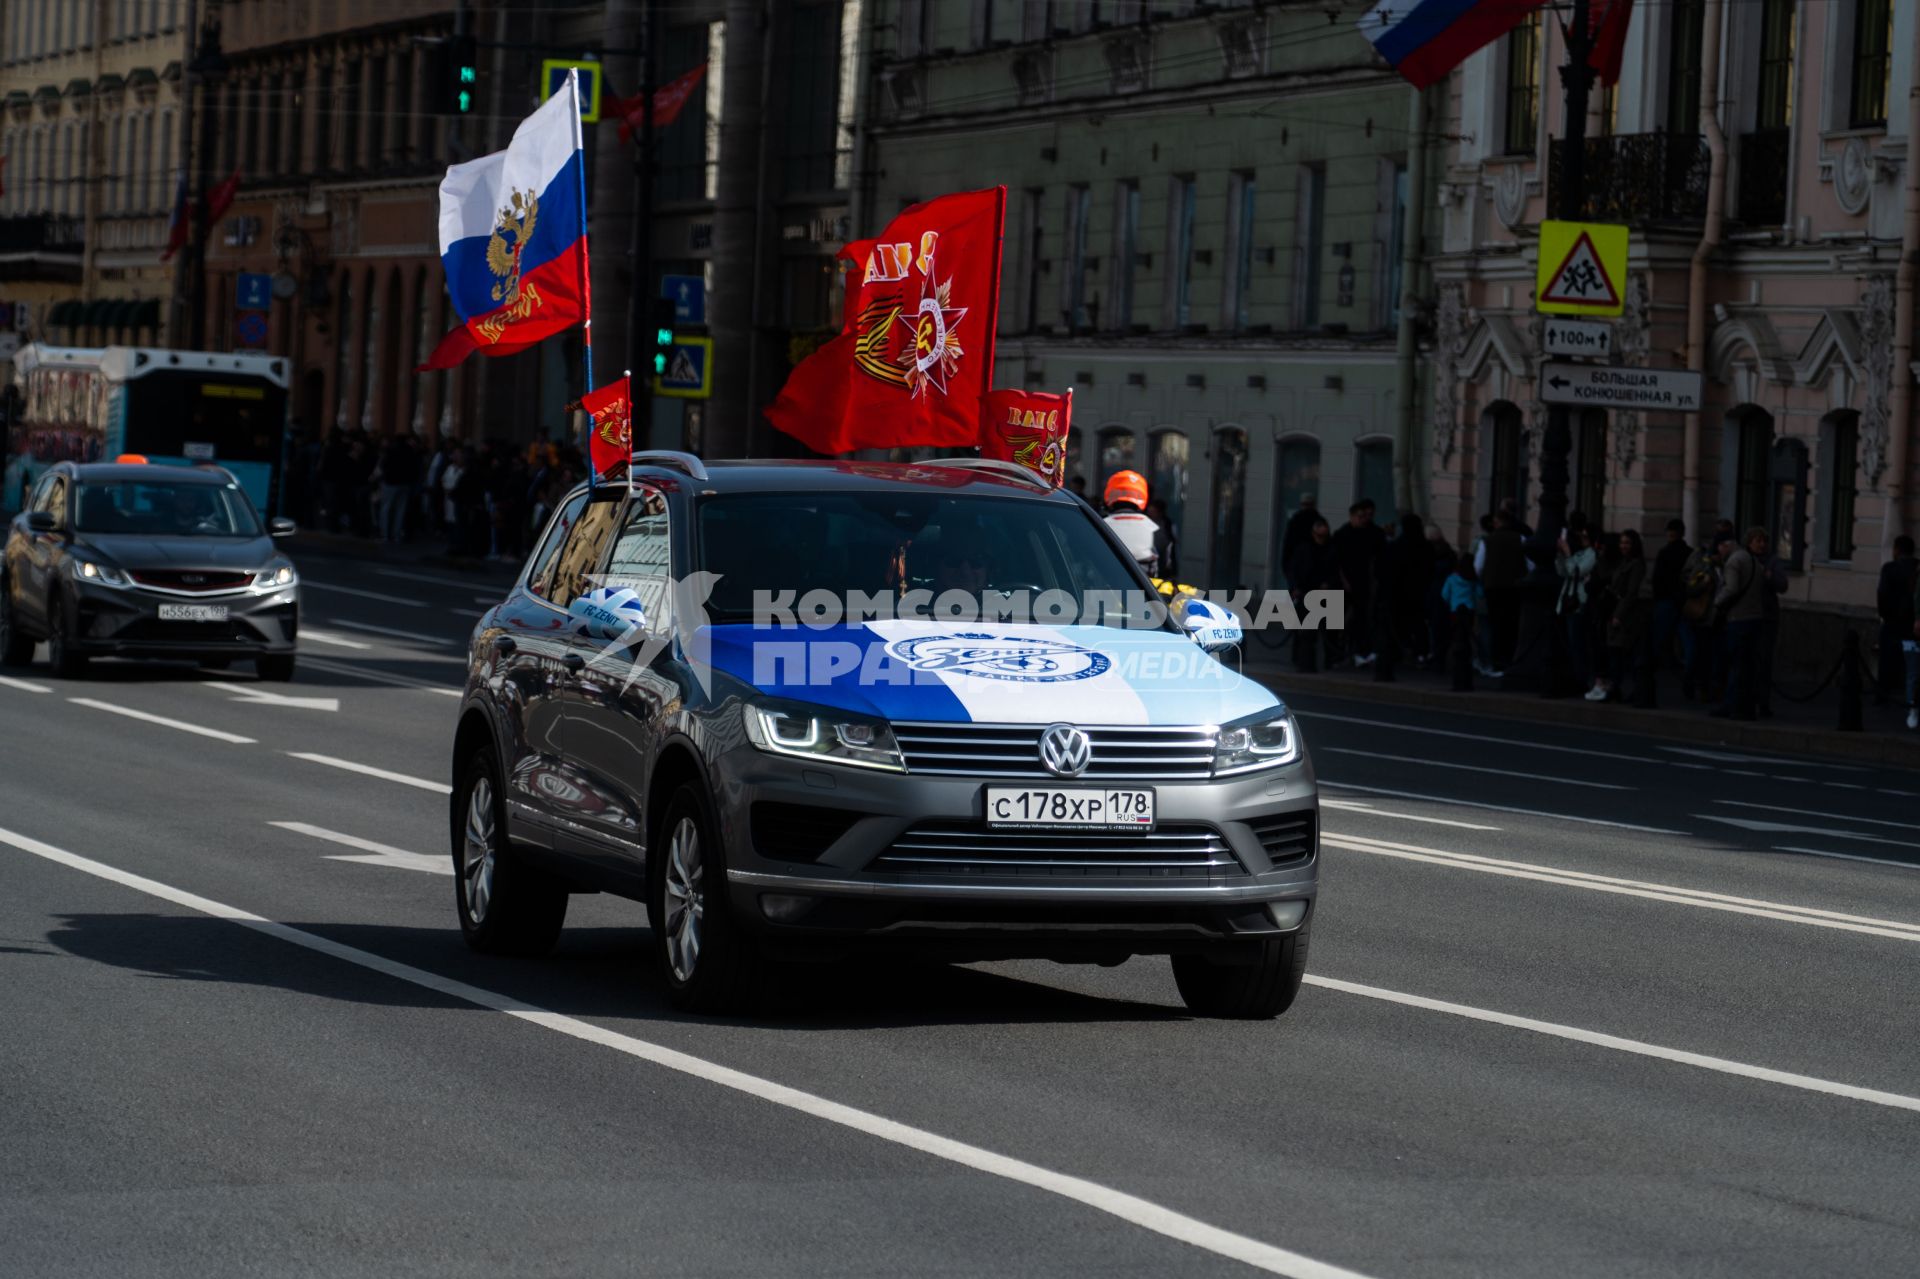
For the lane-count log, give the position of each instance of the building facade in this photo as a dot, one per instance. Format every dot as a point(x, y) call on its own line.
point(1207, 206)
point(1760, 151)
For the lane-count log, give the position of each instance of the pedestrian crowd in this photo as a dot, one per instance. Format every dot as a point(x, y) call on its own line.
point(1621, 611)
point(484, 502)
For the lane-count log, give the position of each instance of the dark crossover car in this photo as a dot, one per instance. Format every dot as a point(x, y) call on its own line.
point(135, 560)
point(754, 696)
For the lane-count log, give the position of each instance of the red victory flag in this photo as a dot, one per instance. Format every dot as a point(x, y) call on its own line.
point(1028, 427)
point(219, 200)
point(1609, 26)
point(668, 99)
point(610, 440)
point(914, 357)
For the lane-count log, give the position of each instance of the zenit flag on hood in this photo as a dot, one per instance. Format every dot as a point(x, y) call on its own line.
point(1425, 39)
point(914, 357)
point(513, 239)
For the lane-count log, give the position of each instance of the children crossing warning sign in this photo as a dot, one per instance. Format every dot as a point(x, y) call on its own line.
point(1583, 266)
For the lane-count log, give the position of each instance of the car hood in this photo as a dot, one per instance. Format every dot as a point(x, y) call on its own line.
point(137, 551)
point(990, 673)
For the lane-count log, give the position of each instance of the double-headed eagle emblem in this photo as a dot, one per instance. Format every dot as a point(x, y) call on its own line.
point(511, 233)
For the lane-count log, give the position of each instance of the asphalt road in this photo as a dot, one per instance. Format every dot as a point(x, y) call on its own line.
point(1580, 1004)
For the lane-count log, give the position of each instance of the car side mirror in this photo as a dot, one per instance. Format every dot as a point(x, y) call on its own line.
point(1212, 626)
point(281, 526)
point(42, 521)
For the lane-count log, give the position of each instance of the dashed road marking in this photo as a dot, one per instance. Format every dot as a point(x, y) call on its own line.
point(1471, 768)
point(354, 766)
point(401, 600)
point(371, 854)
point(1496, 808)
point(25, 686)
point(163, 721)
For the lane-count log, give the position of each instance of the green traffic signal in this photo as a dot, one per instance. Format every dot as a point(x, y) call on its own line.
point(660, 364)
point(663, 337)
point(466, 101)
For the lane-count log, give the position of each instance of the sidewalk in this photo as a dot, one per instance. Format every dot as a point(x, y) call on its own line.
point(1797, 728)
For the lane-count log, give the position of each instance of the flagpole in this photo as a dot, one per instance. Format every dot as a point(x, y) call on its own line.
point(586, 275)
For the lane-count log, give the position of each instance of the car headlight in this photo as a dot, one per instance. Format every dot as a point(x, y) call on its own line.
point(102, 574)
point(1265, 743)
point(862, 743)
point(275, 576)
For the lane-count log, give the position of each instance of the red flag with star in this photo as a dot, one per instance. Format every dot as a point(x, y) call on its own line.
point(610, 437)
point(914, 356)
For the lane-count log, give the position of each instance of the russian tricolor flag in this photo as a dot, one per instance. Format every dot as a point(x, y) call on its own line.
point(513, 238)
point(1425, 39)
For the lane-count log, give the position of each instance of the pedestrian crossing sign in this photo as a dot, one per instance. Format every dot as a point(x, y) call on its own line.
point(689, 371)
point(1582, 268)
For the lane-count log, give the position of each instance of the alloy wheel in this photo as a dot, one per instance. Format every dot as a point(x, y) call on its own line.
point(685, 899)
point(479, 850)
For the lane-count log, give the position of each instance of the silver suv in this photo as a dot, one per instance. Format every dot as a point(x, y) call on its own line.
point(801, 709)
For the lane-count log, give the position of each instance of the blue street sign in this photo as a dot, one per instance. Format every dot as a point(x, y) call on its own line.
point(252, 327)
point(689, 294)
point(689, 374)
point(254, 292)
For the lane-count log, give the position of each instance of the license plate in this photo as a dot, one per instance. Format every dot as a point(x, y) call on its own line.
point(193, 612)
point(1070, 807)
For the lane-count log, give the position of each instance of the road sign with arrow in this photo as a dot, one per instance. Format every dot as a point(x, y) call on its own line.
point(1606, 386)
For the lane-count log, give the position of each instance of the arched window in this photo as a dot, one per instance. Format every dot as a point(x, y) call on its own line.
point(1167, 471)
point(1745, 466)
point(1505, 441)
point(1787, 501)
point(1589, 494)
point(1229, 506)
point(1116, 454)
point(1373, 477)
point(1296, 478)
point(1839, 480)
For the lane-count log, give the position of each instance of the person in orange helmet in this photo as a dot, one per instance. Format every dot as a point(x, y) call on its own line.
point(1126, 503)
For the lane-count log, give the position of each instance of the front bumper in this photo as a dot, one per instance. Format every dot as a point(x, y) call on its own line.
point(790, 887)
point(108, 621)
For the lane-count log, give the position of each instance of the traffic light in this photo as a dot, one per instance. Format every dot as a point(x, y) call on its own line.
point(663, 317)
point(463, 75)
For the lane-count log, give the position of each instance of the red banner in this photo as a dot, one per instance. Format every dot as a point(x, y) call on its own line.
point(914, 357)
point(610, 438)
point(1028, 427)
point(668, 100)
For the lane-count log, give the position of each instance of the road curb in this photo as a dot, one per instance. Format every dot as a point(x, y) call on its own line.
point(1788, 739)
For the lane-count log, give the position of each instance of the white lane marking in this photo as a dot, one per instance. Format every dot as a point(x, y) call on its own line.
point(1487, 739)
point(253, 694)
point(1851, 857)
point(1788, 828)
point(1497, 808)
point(465, 584)
point(338, 641)
point(380, 677)
point(1132, 1209)
point(1638, 1047)
point(1471, 768)
point(1354, 805)
point(467, 612)
point(489, 600)
point(24, 686)
point(369, 770)
point(1888, 790)
point(1701, 898)
point(1729, 757)
point(1814, 812)
point(1844, 785)
point(415, 636)
point(1746, 772)
point(371, 854)
point(180, 724)
point(329, 587)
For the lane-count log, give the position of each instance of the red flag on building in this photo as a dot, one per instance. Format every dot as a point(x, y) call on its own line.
point(610, 438)
point(219, 200)
point(1028, 427)
point(1609, 27)
point(668, 99)
point(914, 357)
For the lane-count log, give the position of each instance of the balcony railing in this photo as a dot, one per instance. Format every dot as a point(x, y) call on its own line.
point(1764, 156)
point(1638, 178)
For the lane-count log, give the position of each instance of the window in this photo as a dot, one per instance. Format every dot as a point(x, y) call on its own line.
point(993, 18)
point(1396, 232)
point(1240, 235)
point(811, 119)
point(1373, 477)
point(1775, 109)
point(1036, 19)
point(641, 556)
point(1507, 457)
point(1787, 501)
point(1683, 66)
point(1752, 442)
point(1590, 466)
point(342, 350)
point(1522, 116)
point(1182, 219)
point(1312, 201)
point(1872, 62)
point(1839, 471)
point(1036, 232)
point(1116, 454)
point(370, 355)
point(574, 567)
point(1074, 294)
point(148, 184)
point(1296, 477)
point(1167, 471)
point(348, 116)
point(1126, 252)
point(1229, 506)
point(111, 202)
point(910, 35)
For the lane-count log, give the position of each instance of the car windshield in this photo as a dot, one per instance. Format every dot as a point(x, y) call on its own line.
point(166, 508)
point(890, 543)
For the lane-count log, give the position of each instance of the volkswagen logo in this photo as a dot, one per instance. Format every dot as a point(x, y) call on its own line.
point(1065, 750)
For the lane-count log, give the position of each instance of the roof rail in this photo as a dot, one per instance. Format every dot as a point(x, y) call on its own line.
point(999, 466)
point(672, 459)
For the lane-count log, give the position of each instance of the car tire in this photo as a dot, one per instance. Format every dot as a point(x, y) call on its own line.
point(506, 907)
point(278, 669)
point(1257, 990)
point(708, 962)
point(16, 646)
point(66, 663)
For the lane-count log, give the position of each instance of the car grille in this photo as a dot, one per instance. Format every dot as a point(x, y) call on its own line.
point(1287, 837)
point(969, 848)
point(192, 580)
point(1013, 751)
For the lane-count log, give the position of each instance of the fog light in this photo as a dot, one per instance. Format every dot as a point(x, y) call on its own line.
point(1287, 914)
point(784, 908)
